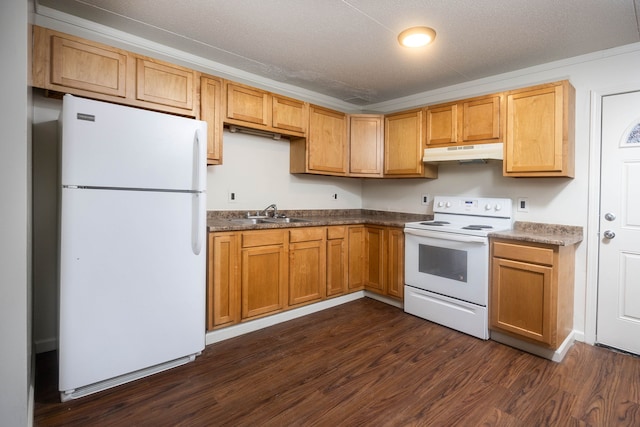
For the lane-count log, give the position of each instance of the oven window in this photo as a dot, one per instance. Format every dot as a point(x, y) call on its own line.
point(443, 262)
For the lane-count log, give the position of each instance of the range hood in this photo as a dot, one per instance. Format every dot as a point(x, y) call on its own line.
point(478, 153)
point(255, 132)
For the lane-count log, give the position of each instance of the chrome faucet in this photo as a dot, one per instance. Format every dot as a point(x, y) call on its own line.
point(275, 210)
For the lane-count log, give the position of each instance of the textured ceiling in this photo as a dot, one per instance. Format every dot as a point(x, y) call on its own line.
point(347, 49)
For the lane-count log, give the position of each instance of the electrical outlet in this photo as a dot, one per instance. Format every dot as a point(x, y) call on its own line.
point(424, 199)
point(334, 196)
point(232, 197)
point(523, 204)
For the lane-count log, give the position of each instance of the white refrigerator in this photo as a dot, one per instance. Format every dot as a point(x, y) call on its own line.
point(132, 244)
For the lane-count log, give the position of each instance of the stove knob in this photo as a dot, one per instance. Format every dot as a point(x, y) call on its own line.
point(440, 204)
point(487, 207)
point(498, 207)
point(448, 204)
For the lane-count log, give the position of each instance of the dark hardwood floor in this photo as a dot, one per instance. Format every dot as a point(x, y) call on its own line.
point(362, 363)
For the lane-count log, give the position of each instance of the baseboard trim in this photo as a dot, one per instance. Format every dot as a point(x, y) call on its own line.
point(264, 322)
point(554, 355)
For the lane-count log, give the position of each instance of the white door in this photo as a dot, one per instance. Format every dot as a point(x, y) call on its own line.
point(618, 319)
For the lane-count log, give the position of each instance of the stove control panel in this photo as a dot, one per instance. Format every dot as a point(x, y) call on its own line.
point(480, 206)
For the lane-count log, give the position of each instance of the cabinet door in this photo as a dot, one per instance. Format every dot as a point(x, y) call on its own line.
point(356, 238)
point(327, 141)
point(210, 103)
point(248, 105)
point(87, 66)
point(480, 121)
point(366, 138)
point(264, 280)
point(403, 146)
point(395, 262)
point(223, 293)
point(540, 135)
point(307, 271)
point(442, 122)
point(521, 299)
point(337, 261)
point(164, 84)
point(289, 114)
point(375, 259)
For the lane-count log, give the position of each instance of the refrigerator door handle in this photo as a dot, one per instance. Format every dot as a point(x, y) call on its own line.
point(198, 198)
point(197, 223)
point(197, 178)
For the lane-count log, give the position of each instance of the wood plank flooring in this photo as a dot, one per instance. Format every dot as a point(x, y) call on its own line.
point(363, 363)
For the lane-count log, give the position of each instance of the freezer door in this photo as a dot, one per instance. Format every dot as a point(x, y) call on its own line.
point(132, 282)
point(108, 145)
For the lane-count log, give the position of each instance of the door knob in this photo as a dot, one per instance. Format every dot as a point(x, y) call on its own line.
point(609, 216)
point(608, 234)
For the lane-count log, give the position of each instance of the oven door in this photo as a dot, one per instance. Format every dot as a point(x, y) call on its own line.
point(448, 264)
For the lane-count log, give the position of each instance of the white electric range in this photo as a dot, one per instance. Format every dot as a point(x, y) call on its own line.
point(447, 262)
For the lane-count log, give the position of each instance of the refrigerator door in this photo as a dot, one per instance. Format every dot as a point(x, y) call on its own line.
point(108, 145)
point(132, 282)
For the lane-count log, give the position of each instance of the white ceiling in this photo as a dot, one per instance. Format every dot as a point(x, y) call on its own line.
point(348, 49)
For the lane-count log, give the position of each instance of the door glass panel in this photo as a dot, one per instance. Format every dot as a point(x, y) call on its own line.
point(443, 262)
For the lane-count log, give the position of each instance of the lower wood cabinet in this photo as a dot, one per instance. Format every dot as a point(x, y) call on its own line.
point(307, 265)
point(531, 294)
point(355, 259)
point(264, 273)
point(384, 260)
point(337, 261)
point(256, 273)
point(223, 283)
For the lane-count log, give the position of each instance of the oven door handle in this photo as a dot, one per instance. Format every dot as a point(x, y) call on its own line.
point(446, 236)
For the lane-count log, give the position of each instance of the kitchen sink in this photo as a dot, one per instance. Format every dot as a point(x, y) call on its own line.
point(248, 220)
point(267, 220)
point(284, 220)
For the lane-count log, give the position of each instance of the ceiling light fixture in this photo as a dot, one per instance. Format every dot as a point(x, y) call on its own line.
point(416, 36)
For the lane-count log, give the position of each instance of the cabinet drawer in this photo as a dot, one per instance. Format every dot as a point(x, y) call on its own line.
point(533, 254)
point(306, 234)
point(336, 232)
point(262, 238)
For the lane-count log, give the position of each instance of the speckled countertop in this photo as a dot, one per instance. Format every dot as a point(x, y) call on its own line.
point(551, 234)
point(220, 220)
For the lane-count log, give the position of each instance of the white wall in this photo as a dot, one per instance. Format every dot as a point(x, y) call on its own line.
point(16, 382)
point(257, 170)
point(551, 200)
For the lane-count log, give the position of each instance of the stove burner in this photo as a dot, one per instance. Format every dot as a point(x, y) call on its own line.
point(476, 227)
point(437, 223)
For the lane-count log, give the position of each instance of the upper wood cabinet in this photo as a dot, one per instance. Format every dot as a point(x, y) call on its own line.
point(442, 124)
point(258, 109)
point(471, 121)
point(540, 131)
point(164, 84)
point(325, 150)
point(210, 108)
point(366, 145)
point(404, 146)
point(69, 64)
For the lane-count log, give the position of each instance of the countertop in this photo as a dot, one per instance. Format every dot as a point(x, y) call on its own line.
point(219, 220)
point(535, 232)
